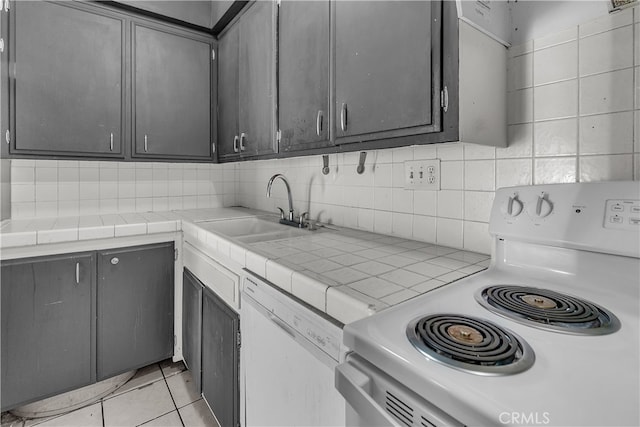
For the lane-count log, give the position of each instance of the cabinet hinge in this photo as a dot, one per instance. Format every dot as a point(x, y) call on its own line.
point(239, 339)
point(278, 136)
point(213, 54)
point(175, 340)
point(444, 99)
point(175, 254)
point(6, 5)
point(7, 136)
point(1, 45)
point(213, 148)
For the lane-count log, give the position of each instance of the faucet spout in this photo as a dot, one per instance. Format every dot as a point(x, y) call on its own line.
point(286, 183)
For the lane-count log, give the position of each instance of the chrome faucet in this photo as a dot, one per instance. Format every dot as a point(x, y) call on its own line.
point(286, 183)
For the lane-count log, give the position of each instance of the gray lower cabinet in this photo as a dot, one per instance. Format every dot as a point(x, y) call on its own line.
point(172, 93)
point(48, 323)
point(67, 86)
point(135, 308)
point(387, 62)
point(212, 343)
point(303, 74)
point(192, 326)
point(73, 319)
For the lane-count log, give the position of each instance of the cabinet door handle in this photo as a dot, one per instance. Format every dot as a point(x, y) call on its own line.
point(111, 141)
point(77, 273)
point(319, 122)
point(235, 144)
point(343, 117)
point(243, 136)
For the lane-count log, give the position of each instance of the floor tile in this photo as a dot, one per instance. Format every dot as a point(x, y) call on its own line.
point(183, 389)
point(197, 414)
point(138, 406)
point(172, 419)
point(89, 416)
point(144, 376)
point(170, 367)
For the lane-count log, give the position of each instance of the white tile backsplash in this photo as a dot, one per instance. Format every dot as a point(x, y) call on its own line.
point(556, 100)
point(607, 92)
point(62, 188)
point(571, 100)
point(555, 63)
point(607, 133)
point(556, 137)
point(608, 51)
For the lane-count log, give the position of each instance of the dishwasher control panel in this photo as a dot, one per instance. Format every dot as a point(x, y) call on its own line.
point(295, 318)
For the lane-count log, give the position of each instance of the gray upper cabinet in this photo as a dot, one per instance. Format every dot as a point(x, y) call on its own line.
point(386, 69)
point(303, 74)
point(67, 86)
point(257, 79)
point(172, 92)
point(228, 90)
point(247, 84)
point(48, 319)
point(192, 12)
point(135, 308)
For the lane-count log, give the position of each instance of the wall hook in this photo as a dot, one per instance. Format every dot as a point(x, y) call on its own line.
point(325, 164)
point(363, 156)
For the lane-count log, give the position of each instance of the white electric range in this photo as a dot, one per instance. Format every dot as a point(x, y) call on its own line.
point(549, 334)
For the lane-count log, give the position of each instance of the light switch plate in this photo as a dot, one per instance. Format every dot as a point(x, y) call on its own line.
point(422, 174)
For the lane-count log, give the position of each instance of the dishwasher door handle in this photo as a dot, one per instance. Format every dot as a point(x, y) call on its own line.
point(354, 385)
point(282, 325)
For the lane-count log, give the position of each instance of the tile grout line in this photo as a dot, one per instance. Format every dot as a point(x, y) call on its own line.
point(164, 377)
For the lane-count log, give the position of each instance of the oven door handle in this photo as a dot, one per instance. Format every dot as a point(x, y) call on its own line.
point(355, 387)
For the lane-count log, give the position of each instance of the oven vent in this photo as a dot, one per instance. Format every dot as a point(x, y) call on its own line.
point(400, 410)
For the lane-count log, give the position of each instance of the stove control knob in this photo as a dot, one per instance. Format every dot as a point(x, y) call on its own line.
point(512, 207)
point(543, 206)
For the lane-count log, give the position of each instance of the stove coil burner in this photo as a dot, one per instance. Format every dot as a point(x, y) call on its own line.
point(470, 344)
point(547, 309)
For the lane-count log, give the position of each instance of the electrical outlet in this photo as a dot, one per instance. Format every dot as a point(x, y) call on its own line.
point(422, 174)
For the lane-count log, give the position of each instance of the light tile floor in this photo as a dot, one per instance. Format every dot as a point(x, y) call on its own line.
point(159, 395)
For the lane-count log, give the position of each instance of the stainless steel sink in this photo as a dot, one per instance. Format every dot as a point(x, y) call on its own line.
point(254, 229)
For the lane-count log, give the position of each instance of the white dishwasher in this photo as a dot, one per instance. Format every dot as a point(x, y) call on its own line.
point(289, 353)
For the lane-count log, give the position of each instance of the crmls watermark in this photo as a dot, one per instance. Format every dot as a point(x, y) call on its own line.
point(525, 418)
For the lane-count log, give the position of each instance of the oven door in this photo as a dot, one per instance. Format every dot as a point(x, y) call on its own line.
point(376, 399)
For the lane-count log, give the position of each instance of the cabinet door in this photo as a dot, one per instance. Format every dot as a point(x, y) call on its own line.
point(228, 144)
point(220, 359)
point(135, 308)
point(192, 326)
point(383, 69)
point(47, 327)
point(68, 91)
point(172, 94)
point(303, 74)
point(257, 83)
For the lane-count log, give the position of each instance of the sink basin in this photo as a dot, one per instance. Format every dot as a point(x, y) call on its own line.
point(251, 230)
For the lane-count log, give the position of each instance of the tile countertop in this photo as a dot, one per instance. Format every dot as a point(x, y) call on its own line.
point(38, 231)
point(348, 274)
